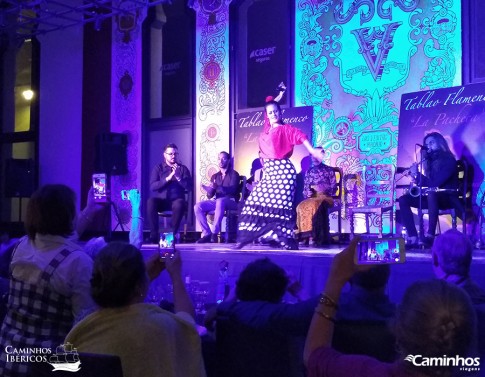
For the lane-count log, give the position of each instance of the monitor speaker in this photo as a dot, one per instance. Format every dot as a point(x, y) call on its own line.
point(19, 178)
point(111, 153)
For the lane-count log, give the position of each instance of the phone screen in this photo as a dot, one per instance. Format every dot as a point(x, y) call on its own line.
point(166, 244)
point(125, 195)
point(380, 251)
point(100, 188)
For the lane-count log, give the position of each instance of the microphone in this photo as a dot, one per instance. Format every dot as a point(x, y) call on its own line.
point(423, 147)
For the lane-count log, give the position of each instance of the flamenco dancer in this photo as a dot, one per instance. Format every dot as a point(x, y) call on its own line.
point(269, 207)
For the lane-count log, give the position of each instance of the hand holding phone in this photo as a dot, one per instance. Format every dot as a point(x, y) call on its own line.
point(166, 245)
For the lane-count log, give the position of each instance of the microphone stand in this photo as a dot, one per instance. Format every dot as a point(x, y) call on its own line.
point(420, 207)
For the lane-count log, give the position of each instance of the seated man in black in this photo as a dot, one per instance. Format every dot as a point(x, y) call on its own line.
point(170, 180)
point(222, 193)
point(440, 172)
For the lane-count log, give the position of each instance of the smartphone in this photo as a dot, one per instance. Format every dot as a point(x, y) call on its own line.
point(380, 251)
point(167, 245)
point(100, 187)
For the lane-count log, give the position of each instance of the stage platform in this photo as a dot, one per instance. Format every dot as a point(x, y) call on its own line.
point(309, 265)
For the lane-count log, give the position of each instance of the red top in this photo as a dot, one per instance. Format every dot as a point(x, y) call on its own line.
point(278, 142)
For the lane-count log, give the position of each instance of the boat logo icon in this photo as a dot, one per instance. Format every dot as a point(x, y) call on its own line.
point(66, 358)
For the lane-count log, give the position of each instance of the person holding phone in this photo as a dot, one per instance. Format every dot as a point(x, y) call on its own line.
point(170, 180)
point(435, 318)
point(49, 278)
point(150, 341)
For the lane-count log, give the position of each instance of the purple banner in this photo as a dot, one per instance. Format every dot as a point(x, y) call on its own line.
point(458, 113)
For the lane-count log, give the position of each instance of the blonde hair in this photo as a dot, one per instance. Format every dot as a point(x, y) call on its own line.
point(434, 319)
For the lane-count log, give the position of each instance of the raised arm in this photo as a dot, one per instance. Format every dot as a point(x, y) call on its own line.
point(321, 328)
point(136, 230)
point(87, 215)
point(282, 89)
point(181, 298)
point(317, 153)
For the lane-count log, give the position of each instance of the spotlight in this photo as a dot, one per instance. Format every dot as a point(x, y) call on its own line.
point(28, 94)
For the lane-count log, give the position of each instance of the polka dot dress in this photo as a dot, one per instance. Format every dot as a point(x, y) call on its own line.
point(269, 207)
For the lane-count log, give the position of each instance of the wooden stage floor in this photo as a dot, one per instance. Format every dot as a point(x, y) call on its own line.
point(309, 264)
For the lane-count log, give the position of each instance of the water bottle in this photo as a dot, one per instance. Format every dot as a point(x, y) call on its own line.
point(222, 282)
point(404, 233)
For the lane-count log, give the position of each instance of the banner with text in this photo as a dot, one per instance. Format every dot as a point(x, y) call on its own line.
point(458, 113)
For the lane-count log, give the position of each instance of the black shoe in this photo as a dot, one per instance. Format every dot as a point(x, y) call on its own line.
point(214, 238)
point(290, 244)
point(239, 245)
point(205, 239)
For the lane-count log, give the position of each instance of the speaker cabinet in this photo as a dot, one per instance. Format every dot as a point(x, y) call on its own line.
point(19, 178)
point(111, 153)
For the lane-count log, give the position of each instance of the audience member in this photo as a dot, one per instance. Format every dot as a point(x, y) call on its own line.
point(452, 257)
point(318, 188)
point(224, 186)
point(170, 180)
point(362, 319)
point(150, 341)
point(434, 319)
point(49, 279)
point(258, 334)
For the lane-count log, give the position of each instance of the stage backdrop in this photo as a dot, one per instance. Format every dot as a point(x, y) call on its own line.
point(250, 124)
point(458, 113)
point(354, 60)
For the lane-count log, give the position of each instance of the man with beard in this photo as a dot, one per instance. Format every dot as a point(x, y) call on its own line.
point(222, 193)
point(170, 179)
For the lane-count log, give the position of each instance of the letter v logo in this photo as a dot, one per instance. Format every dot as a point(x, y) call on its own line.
point(377, 40)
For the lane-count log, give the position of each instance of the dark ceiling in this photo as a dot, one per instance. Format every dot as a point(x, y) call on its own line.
point(23, 19)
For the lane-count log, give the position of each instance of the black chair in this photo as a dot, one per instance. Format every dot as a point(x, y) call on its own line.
point(231, 215)
point(457, 208)
point(365, 338)
point(243, 351)
point(378, 187)
point(338, 200)
point(166, 215)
